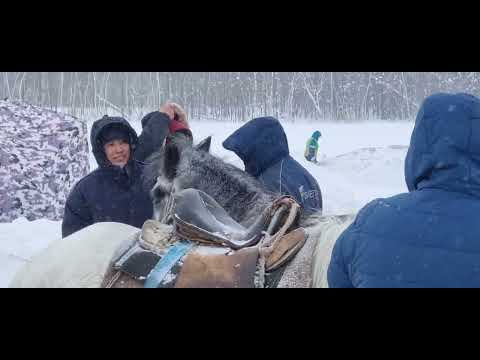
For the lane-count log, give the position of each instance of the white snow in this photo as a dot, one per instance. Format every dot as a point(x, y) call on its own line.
point(350, 176)
point(21, 239)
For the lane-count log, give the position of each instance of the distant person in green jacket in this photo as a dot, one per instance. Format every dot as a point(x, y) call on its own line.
point(311, 149)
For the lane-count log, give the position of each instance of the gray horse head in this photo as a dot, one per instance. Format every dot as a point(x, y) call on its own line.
point(179, 165)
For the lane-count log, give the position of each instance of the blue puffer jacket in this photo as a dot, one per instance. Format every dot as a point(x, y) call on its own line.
point(263, 147)
point(429, 237)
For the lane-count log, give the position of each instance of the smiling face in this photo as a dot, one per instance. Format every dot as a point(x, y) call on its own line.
point(117, 152)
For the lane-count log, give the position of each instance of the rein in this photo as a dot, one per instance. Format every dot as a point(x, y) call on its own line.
point(168, 209)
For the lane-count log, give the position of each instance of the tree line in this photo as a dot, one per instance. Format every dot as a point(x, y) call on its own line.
point(238, 96)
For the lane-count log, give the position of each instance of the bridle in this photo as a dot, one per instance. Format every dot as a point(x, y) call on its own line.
point(168, 207)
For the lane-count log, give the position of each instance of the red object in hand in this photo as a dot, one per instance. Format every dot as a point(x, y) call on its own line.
point(175, 126)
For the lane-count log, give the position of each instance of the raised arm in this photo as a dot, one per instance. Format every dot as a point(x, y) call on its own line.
point(155, 128)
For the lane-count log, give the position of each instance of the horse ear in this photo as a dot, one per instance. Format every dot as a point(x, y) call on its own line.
point(204, 145)
point(171, 160)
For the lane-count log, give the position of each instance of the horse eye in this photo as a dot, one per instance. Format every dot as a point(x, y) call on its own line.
point(158, 193)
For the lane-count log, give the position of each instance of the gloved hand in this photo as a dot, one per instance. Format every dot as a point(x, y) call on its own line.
point(178, 118)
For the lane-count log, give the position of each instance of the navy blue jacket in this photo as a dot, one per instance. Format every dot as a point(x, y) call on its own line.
point(111, 193)
point(429, 237)
point(263, 147)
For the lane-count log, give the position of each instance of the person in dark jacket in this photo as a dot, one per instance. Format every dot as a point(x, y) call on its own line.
point(115, 191)
point(428, 237)
point(263, 147)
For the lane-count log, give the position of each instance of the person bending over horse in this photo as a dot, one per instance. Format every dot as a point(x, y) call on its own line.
point(263, 147)
point(427, 237)
point(114, 191)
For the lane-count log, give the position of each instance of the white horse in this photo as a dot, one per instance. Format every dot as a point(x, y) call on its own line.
point(80, 260)
point(83, 259)
point(327, 232)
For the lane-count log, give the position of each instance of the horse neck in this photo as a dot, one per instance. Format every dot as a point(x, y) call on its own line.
point(241, 195)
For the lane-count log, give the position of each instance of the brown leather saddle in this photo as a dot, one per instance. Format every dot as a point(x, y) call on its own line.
point(205, 247)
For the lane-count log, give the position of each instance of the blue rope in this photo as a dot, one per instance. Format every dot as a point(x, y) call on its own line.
point(174, 254)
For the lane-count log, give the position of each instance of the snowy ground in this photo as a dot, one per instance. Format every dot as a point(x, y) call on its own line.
point(361, 162)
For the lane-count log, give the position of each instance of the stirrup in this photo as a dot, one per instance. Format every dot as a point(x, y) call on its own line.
point(285, 249)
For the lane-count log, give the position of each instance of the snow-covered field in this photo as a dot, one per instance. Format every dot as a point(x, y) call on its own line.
point(362, 162)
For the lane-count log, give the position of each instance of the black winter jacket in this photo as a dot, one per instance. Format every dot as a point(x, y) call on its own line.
point(111, 193)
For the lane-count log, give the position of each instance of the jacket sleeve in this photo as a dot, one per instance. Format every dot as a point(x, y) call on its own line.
point(337, 274)
point(341, 270)
point(77, 213)
point(155, 128)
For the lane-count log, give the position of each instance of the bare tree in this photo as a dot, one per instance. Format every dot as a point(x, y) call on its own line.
point(238, 96)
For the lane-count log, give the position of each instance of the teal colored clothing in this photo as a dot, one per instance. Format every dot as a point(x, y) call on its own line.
point(311, 149)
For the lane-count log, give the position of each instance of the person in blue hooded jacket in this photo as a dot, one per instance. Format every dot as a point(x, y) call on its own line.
point(263, 147)
point(428, 237)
